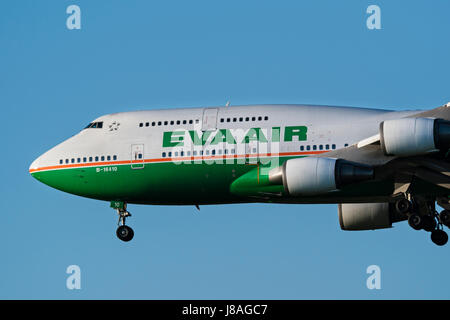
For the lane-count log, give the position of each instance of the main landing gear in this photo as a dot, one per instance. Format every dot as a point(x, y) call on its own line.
point(423, 215)
point(124, 232)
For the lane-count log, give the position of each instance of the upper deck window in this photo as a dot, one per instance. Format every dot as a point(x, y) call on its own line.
point(97, 125)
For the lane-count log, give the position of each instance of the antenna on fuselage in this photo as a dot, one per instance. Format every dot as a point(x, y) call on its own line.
point(228, 103)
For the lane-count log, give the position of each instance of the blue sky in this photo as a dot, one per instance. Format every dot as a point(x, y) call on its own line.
point(132, 55)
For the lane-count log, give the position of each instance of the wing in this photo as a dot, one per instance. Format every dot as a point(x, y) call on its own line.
point(430, 168)
point(408, 153)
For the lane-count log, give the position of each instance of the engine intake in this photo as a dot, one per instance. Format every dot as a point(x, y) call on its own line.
point(414, 136)
point(312, 175)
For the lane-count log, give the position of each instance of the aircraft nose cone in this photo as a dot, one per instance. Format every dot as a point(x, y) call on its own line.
point(34, 165)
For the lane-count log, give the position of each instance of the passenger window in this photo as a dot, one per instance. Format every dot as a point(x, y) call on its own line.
point(72, 161)
point(114, 157)
point(96, 158)
point(191, 122)
point(314, 147)
point(90, 159)
point(346, 145)
point(327, 146)
point(103, 158)
point(170, 154)
point(163, 154)
point(184, 121)
point(194, 152)
point(140, 156)
point(146, 124)
point(221, 119)
point(308, 148)
point(67, 160)
point(141, 124)
point(176, 153)
point(333, 146)
point(247, 118)
point(234, 119)
point(172, 123)
point(259, 118)
point(213, 152)
point(253, 118)
point(84, 159)
point(182, 153)
point(108, 158)
point(197, 121)
point(188, 153)
point(166, 123)
point(302, 148)
point(241, 119)
point(159, 123)
point(178, 121)
point(228, 119)
point(266, 118)
point(321, 147)
point(61, 162)
point(153, 123)
point(78, 160)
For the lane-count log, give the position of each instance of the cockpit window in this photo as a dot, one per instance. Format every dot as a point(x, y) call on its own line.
point(97, 125)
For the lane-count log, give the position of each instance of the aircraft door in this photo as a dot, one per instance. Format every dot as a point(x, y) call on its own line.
point(137, 156)
point(209, 121)
point(251, 151)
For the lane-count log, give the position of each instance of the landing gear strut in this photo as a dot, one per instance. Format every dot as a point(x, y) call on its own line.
point(124, 232)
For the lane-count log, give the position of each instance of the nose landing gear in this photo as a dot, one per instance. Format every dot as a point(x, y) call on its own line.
point(123, 232)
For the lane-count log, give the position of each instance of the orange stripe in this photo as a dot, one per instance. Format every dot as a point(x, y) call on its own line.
point(96, 164)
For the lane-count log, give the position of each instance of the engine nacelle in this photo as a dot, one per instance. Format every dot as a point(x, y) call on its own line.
point(414, 136)
point(311, 175)
point(365, 216)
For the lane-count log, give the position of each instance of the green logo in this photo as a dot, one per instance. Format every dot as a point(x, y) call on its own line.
point(232, 136)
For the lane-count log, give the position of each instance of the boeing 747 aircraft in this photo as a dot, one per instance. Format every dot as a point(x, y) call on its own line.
point(379, 166)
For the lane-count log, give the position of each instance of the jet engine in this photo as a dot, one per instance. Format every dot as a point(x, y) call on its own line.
point(312, 175)
point(367, 216)
point(414, 136)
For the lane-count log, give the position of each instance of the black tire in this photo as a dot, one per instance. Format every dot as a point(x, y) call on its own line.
point(429, 223)
point(125, 233)
point(415, 221)
point(439, 237)
point(403, 206)
point(444, 217)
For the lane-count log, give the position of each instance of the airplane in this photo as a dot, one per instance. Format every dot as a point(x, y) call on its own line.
point(380, 166)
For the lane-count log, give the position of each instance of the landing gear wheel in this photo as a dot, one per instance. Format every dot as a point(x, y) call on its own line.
point(415, 221)
point(125, 233)
point(429, 223)
point(444, 217)
point(439, 237)
point(403, 206)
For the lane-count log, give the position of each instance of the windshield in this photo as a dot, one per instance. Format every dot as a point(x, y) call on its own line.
point(97, 125)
